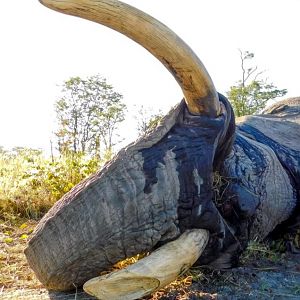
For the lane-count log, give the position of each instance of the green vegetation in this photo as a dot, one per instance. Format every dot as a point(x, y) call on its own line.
point(257, 251)
point(30, 183)
point(88, 114)
point(251, 93)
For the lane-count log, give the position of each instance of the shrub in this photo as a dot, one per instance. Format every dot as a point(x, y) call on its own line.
point(30, 183)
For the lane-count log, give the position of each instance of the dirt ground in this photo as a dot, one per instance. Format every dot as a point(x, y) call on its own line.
point(262, 275)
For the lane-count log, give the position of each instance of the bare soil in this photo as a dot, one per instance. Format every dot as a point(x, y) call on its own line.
point(258, 277)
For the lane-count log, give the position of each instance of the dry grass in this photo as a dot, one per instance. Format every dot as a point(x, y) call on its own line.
point(180, 289)
point(14, 270)
point(17, 279)
point(220, 186)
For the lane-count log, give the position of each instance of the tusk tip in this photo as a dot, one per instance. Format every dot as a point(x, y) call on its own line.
point(116, 287)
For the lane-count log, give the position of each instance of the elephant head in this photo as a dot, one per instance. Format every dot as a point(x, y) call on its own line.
point(155, 189)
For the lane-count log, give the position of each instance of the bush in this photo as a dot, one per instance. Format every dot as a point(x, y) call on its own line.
point(30, 183)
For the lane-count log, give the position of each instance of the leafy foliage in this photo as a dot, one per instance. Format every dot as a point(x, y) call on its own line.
point(30, 184)
point(251, 94)
point(88, 115)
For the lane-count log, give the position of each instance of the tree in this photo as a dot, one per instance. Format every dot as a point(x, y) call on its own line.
point(147, 119)
point(251, 93)
point(88, 115)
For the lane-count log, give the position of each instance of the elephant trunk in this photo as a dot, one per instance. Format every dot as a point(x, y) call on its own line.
point(107, 218)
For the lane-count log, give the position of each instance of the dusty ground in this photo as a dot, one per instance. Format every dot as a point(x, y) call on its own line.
point(264, 274)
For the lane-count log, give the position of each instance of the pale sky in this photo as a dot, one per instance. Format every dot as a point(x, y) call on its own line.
point(41, 48)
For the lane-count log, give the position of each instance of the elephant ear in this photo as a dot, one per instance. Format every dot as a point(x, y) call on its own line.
point(269, 171)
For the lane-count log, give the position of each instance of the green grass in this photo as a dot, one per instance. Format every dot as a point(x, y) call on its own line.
point(30, 183)
point(256, 251)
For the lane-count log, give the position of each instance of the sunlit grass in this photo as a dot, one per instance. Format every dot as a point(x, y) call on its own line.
point(30, 183)
point(14, 270)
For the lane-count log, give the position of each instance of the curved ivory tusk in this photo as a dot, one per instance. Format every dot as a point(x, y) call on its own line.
point(152, 272)
point(196, 84)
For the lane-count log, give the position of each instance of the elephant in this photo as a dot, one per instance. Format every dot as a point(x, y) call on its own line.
point(160, 190)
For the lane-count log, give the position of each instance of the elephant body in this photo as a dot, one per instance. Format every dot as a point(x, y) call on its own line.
point(264, 166)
